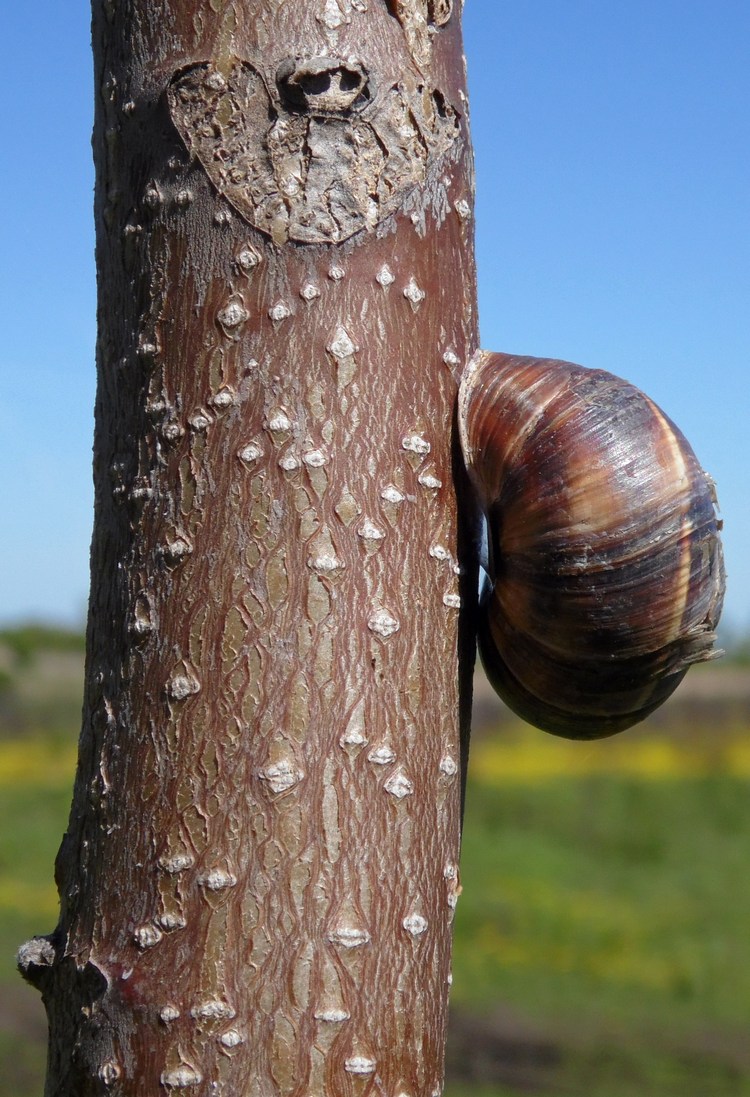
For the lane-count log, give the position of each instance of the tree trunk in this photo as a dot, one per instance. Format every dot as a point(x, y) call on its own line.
point(260, 871)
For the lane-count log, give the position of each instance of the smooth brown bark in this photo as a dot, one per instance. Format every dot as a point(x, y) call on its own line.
point(260, 871)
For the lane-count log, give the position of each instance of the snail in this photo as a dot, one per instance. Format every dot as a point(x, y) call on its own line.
point(605, 563)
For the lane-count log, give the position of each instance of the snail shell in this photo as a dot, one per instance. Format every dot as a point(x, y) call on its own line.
point(606, 565)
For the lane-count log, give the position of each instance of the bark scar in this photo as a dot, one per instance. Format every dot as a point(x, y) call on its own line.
point(315, 174)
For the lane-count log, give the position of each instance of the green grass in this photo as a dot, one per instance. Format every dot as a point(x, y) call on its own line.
point(613, 914)
point(613, 886)
point(601, 939)
point(32, 821)
point(26, 641)
point(33, 814)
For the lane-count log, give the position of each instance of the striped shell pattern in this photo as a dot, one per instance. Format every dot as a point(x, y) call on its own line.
point(607, 575)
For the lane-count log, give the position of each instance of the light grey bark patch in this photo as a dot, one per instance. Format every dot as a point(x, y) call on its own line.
point(313, 178)
point(413, 16)
point(427, 11)
point(418, 19)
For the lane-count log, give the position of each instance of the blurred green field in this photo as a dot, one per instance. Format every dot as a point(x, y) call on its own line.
point(602, 941)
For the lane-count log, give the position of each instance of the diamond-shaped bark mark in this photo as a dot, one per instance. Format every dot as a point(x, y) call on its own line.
point(309, 292)
point(250, 453)
point(184, 683)
point(148, 349)
point(278, 422)
point(247, 259)
point(324, 559)
point(281, 776)
point(170, 920)
point(231, 1039)
point(360, 1064)
point(416, 443)
point(453, 886)
point(415, 924)
point(439, 552)
point(223, 399)
point(347, 508)
point(142, 622)
point(383, 624)
point(398, 784)
point(414, 294)
point(172, 431)
point(315, 461)
point(341, 346)
point(393, 498)
point(429, 480)
point(181, 1077)
point(382, 755)
point(372, 535)
point(153, 196)
point(385, 276)
point(315, 458)
point(175, 863)
point(349, 936)
point(342, 349)
point(349, 930)
point(290, 462)
point(218, 879)
point(331, 1015)
point(279, 312)
point(200, 420)
point(355, 734)
point(326, 564)
point(147, 936)
point(232, 316)
point(448, 766)
point(213, 1009)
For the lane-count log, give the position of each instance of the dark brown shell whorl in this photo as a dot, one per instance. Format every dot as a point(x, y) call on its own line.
point(608, 575)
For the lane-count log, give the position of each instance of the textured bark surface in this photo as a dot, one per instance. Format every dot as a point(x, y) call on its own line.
point(261, 865)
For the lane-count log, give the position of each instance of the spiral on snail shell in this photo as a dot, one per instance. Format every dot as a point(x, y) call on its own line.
point(606, 568)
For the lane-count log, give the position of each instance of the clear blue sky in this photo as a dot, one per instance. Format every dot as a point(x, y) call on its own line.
point(613, 228)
